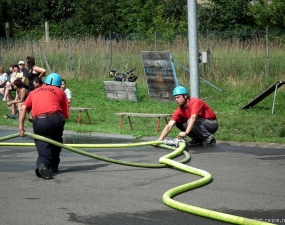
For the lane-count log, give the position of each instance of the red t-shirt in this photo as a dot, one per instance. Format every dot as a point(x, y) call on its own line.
point(47, 99)
point(195, 106)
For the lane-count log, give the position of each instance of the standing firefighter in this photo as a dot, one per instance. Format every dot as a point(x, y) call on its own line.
point(193, 117)
point(49, 107)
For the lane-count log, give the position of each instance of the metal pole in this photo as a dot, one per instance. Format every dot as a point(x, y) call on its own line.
point(274, 99)
point(173, 69)
point(193, 48)
point(70, 54)
point(155, 45)
point(0, 52)
point(45, 59)
point(267, 53)
point(110, 37)
point(32, 47)
point(207, 82)
point(208, 50)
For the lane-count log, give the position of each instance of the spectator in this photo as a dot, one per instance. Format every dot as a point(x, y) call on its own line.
point(66, 91)
point(10, 70)
point(49, 109)
point(6, 91)
point(22, 74)
point(3, 77)
point(12, 76)
point(21, 95)
point(34, 71)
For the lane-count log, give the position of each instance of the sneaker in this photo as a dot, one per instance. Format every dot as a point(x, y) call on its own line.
point(195, 142)
point(43, 172)
point(10, 116)
point(211, 141)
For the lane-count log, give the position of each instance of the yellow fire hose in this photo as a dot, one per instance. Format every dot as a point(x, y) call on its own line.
point(165, 161)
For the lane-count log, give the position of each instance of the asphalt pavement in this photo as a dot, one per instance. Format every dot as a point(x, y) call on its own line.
point(248, 181)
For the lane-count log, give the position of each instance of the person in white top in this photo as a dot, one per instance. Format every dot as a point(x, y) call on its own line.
point(66, 91)
point(3, 77)
point(6, 91)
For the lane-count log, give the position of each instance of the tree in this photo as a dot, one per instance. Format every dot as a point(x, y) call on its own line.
point(171, 16)
point(102, 17)
point(28, 17)
point(269, 15)
point(223, 15)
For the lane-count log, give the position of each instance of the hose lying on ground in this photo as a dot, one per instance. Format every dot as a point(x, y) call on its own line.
point(91, 155)
point(165, 161)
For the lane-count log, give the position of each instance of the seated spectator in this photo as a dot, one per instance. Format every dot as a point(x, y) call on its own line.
point(3, 77)
point(6, 91)
point(66, 91)
point(22, 74)
point(21, 95)
point(12, 76)
point(8, 72)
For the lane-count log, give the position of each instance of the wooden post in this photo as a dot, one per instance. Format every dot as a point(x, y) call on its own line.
point(47, 31)
point(7, 30)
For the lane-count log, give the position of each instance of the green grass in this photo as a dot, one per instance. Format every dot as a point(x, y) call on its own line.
point(254, 125)
point(238, 68)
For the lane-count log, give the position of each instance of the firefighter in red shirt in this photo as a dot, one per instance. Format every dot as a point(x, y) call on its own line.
point(49, 107)
point(194, 118)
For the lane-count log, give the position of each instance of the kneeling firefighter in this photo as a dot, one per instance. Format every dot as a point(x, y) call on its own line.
point(193, 117)
point(49, 107)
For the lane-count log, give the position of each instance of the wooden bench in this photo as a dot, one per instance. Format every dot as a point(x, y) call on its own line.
point(150, 115)
point(80, 112)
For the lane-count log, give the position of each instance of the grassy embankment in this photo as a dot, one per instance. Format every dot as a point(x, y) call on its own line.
point(241, 81)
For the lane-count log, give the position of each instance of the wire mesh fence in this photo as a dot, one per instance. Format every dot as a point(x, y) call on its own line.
point(229, 54)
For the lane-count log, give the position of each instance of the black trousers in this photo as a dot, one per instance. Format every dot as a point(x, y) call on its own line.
point(203, 129)
point(50, 127)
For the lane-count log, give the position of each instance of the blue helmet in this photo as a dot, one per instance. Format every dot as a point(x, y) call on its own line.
point(179, 90)
point(54, 79)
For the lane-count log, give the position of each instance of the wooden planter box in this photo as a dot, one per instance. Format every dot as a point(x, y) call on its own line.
point(121, 90)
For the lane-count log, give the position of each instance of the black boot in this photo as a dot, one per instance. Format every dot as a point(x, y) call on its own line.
point(53, 169)
point(195, 142)
point(43, 172)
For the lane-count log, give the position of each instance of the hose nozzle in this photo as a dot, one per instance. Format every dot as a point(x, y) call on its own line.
point(173, 141)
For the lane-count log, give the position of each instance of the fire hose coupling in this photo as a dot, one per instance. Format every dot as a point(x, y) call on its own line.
point(173, 141)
